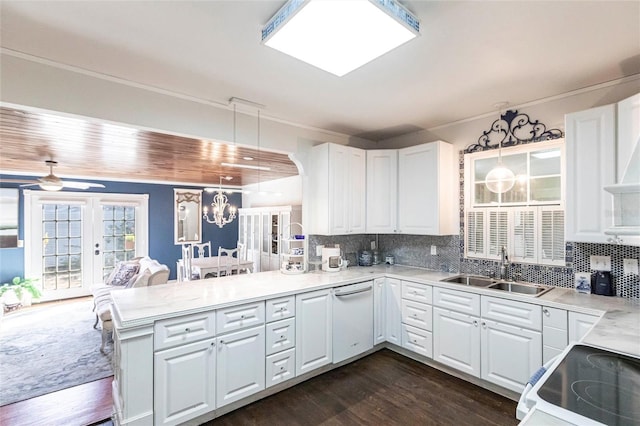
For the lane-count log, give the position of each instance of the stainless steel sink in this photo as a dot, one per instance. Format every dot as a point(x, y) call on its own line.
point(520, 288)
point(470, 280)
point(527, 289)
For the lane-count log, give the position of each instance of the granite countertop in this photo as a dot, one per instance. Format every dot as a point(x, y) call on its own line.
point(618, 329)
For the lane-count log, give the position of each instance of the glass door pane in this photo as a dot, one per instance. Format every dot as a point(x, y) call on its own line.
point(61, 240)
point(118, 236)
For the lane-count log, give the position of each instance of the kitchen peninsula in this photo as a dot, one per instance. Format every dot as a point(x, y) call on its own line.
point(238, 339)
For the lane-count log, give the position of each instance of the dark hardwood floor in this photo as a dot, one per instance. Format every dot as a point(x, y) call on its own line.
point(384, 388)
point(81, 405)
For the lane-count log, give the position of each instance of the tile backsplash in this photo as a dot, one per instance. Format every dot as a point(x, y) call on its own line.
point(415, 250)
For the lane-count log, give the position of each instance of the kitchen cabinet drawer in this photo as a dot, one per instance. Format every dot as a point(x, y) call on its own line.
point(237, 317)
point(511, 312)
point(555, 337)
point(417, 292)
point(417, 314)
point(280, 308)
point(281, 367)
point(459, 301)
point(417, 340)
point(554, 317)
point(281, 335)
point(182, 330)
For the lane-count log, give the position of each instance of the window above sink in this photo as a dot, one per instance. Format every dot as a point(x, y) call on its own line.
point(528, 220)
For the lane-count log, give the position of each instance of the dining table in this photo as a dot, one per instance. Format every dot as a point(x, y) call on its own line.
point(212, 264)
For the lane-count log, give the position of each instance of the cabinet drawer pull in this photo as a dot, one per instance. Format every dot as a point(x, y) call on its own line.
point(282, 337)
point(281, 368)
point(241, 316)
point(186, 330)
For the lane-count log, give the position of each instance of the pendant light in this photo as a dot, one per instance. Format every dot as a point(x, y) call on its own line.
point(500, 179)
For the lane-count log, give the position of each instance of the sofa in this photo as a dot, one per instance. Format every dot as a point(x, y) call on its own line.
point(138, 272)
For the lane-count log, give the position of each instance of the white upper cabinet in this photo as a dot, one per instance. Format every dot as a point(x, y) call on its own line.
point(382, 191)
point(426, 190)
point(628, 139)
point(602, 151)
point(337, 183)
point(590, 148)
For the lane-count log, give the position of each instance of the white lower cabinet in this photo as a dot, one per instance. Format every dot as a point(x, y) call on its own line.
point(509, 354)
point(580, 324)
point(280, 367)
point(393, 311)
point(417, 318)
point(379, 315)
point(314, 322)
point(184, 382)
point(456, 340)
point(417, 340)
point(503, 344)
point(240, 369)
point(554, 332)
point(280, 335)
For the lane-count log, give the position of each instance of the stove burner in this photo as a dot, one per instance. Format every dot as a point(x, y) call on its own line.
point(608, 398)
point(612, 363)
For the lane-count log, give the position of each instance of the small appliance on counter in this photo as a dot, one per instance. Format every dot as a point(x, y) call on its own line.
point(376, 257)
point(331, 259)
point(602, 284)
point(389, 259)
point(365, 258)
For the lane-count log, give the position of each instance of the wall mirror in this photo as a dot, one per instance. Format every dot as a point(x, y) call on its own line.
point(8, 217)
point(187, 213)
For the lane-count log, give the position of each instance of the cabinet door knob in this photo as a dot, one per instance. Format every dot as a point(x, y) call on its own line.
point(546, 312)
point(484, 324)
point(475, 322)
point(282, 337)
point(213, 344)
point(187, 330)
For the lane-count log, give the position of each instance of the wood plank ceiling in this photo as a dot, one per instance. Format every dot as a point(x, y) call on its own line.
point(102, 151)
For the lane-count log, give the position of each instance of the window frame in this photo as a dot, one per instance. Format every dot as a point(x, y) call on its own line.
point(511, 209)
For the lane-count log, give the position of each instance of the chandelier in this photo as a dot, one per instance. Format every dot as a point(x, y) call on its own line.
point(218, 207)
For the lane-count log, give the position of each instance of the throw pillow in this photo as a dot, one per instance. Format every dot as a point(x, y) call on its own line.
point(123, 273)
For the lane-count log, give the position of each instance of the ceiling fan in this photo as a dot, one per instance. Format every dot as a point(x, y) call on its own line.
point(52, 182)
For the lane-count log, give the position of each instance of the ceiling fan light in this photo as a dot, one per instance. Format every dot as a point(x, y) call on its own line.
point(51, 186)
point(339, 36)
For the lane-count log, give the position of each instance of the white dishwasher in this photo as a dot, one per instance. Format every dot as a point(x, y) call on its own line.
point(352, 320)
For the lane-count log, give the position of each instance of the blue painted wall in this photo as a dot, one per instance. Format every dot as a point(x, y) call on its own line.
point(161, 246)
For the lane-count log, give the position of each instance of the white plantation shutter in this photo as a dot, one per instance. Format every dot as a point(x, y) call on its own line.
point(475, 244)
point(523, 248)
point(498, 232)
point(551, 235)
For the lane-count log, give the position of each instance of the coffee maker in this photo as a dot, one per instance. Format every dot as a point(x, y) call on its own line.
point(602, 284)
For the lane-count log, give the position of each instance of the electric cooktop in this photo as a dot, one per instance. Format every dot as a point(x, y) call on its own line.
point(601, 385)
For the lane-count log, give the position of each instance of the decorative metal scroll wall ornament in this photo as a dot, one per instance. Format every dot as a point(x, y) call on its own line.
point(515, 129)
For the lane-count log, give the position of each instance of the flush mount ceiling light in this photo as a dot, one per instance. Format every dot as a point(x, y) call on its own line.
point(339, 36)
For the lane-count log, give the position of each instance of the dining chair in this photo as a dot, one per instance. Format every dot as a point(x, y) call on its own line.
point(224, 267)
point(242, 256)
point(201, 250)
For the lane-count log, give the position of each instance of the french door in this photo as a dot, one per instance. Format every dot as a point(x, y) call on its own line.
point(73, 240)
